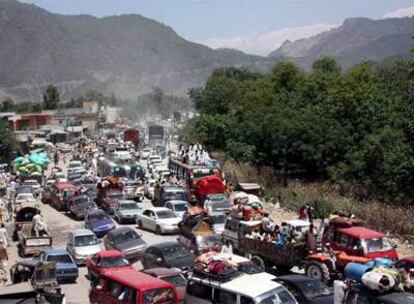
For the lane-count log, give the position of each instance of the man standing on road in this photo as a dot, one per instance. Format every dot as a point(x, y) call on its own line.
point(3, 235)
point(56, 159)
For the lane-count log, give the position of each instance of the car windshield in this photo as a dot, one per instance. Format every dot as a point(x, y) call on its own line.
point(81, 200)
point(278, 295)
point(61, 258)
point(175, 252)
point(99, 217)
point(176, 280)
point(165, 214)
point(129, 206)
point(217, 198)
point(75, 165)
point(219, 218)
point(25, 197)
point(376, 245)
point(209, 241)
point(170, 195)
point(126, 236)
point(180, 207)
point(114, 262)
point(159, 296)
point(218, 206)
point(30, 183)
point(115, 196)
point(313, 288)
point(85, 240)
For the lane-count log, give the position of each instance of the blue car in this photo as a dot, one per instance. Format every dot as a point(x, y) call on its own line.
point(99, 222)
point(66, 269)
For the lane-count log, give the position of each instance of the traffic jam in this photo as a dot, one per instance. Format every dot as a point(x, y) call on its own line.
point(134, 215)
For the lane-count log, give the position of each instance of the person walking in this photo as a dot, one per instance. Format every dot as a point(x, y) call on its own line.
point(4, 237)
point(56, 159)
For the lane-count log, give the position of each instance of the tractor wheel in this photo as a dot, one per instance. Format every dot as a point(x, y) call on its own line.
point(319, 271)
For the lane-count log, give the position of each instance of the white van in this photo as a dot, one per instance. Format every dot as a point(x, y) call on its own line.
point(242, 289)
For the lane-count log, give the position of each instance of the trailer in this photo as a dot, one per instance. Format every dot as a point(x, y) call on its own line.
point(30, 244)
point(268, 254)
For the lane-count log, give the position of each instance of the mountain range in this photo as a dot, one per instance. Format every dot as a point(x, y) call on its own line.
point(357, 39)
point(129, 55)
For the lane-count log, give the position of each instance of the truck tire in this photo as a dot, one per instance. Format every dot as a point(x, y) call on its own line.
point(283, 268)
point(319, 271)
point(259, 262)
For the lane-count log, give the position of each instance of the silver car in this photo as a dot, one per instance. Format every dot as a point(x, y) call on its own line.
point(126, 211)
point(177, 206)
point(159, 219)
point(81, 244)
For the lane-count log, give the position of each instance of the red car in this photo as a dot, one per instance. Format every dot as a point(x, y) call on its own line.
point(132, 287)
point(61, 195)
point(173, 276)
point(106, 261)
point(111, 200)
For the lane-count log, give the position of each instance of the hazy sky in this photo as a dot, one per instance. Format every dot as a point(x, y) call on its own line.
point(255, 26)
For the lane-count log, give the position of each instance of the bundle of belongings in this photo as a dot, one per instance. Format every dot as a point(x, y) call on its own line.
point(192, 219)
point(379, 275)
point(216, 265)
point(247, 207)
point(28, 165)
point(344, 219)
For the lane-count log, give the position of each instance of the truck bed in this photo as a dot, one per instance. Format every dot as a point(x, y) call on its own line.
point(290, 255)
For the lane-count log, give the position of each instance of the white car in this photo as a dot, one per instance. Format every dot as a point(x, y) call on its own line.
point(256, 288)
point(81, 244)
point(158, 219)
point(177, 206)
point(34, 184)
point(75, 165)
point(146, 153)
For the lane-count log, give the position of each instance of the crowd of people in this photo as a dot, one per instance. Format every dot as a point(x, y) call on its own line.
point(194, 155)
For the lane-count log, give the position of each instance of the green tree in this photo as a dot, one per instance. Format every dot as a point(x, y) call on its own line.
point(51, 97)
point(8, 142)
point(7, 105)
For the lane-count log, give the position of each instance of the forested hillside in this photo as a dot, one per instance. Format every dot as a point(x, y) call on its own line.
point(354, 128)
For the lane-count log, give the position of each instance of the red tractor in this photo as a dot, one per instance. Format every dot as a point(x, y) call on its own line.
point(347, 242)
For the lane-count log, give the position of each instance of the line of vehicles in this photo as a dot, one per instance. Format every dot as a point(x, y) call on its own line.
point(192, 202)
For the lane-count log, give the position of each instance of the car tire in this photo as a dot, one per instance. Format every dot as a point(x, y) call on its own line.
point(158, 230)
point(140, 226)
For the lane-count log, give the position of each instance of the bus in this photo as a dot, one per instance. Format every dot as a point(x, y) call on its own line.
point(131, 170)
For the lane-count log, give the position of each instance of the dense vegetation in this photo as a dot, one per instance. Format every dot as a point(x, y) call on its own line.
point(354, 128)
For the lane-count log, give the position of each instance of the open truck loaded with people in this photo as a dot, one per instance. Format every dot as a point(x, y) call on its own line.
point(323, 254)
